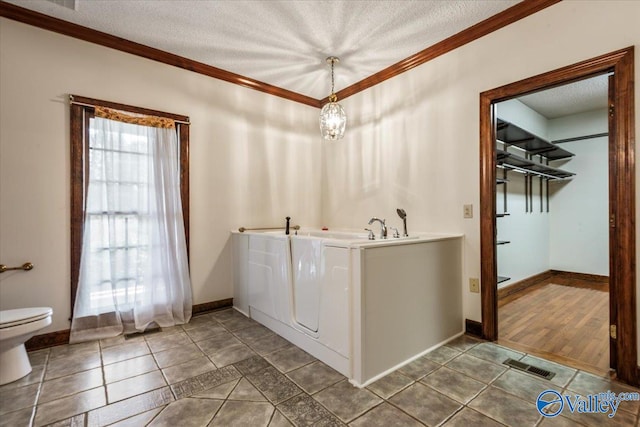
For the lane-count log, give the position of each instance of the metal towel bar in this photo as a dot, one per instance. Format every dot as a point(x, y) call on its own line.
point(26, 267)
point(243, 229)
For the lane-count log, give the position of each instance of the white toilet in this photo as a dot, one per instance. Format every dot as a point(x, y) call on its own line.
point(16, 327)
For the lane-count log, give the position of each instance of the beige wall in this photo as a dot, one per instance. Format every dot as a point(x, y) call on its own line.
point(254, 159)
point(413, 141)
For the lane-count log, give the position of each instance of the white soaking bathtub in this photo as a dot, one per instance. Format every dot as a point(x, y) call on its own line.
point(363, 307)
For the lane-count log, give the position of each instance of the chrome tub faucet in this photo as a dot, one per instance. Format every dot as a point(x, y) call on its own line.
point(383, 226)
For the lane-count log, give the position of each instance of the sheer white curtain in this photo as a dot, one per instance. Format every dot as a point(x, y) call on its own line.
point(133, 268)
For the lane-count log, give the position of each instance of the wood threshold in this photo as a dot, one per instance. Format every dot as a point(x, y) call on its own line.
point(508, 16)
point(621, 197)
point(573, 363)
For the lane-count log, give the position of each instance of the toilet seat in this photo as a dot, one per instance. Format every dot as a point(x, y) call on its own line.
point(16, 327)
point(21, 316)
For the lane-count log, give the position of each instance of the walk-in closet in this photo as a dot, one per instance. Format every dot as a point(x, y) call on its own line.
point(552, 208)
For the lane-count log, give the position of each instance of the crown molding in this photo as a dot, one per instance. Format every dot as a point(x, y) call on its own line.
point(80, 32)
point(508, 16)
point(515, 13)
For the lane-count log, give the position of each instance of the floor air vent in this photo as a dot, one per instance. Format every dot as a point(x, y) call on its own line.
point(533, 370)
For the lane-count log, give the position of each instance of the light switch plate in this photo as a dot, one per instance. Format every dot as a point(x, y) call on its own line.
point(468, 211)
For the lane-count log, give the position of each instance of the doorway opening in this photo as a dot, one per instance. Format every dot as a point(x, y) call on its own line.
point(552, 224)
point(621, 198)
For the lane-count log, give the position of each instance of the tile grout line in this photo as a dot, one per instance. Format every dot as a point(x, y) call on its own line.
point(485, 387)
point(104, 376)
point(490, 383)
point(400, 409)
point(34, 412)
point(463, 405)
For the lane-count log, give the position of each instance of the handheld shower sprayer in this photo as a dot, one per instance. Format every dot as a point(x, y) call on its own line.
point(403, 215)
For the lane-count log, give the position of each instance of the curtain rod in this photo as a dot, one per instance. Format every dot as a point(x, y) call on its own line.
point(71, 101)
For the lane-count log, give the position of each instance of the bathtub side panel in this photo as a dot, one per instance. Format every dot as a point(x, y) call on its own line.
point(411, 300)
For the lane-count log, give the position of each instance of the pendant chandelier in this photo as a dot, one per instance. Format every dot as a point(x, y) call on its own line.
point(333, 119)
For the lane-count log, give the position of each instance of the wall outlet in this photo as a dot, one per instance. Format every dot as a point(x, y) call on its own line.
point(474, 285)
point(468, 211)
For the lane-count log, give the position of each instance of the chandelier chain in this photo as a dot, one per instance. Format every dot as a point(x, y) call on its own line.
point(332, 81)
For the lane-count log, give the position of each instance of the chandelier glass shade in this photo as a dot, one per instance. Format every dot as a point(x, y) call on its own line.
point(333, 119)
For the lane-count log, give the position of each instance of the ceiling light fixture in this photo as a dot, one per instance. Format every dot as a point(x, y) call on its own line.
point(333, 119)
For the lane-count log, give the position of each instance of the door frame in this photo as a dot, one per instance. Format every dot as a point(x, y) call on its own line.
point(622, 178)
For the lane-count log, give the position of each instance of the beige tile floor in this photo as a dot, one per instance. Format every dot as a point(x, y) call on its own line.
point(223, 369)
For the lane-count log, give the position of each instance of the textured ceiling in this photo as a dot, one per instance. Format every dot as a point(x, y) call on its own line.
point(573, 98)
point(283, 43)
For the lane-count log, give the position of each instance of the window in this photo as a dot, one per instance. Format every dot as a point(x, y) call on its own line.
point(118, 192)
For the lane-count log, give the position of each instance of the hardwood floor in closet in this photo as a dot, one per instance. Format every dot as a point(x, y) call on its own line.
point(560, 318)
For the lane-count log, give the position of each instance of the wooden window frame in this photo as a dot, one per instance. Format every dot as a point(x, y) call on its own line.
point(82, 109)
